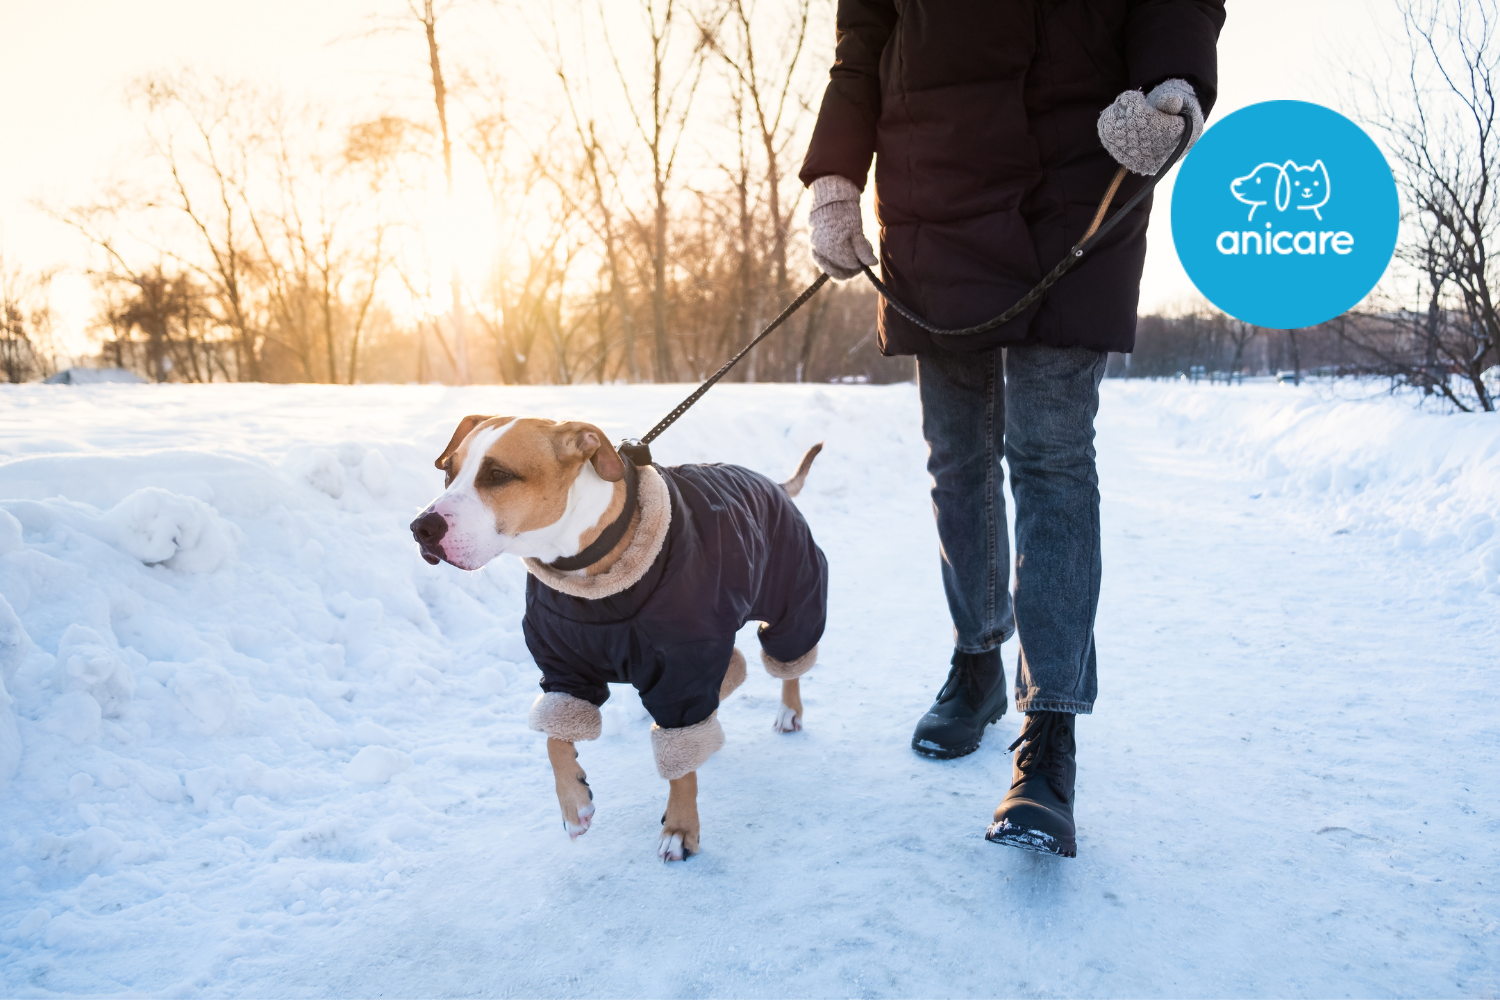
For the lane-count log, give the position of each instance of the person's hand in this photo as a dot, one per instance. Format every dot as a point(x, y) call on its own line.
point(1141, 130)
point(838, 239)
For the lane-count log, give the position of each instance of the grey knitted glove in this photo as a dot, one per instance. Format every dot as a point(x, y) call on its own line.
point(1141, 130)
point(838, 238)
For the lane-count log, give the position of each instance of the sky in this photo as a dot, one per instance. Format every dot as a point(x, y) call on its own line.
point(65, 66)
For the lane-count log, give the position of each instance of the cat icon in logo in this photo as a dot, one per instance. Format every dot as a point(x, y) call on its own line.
point(1309, 187)
point(1265, 184)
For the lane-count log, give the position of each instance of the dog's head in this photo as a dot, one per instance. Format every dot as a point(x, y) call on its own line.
point(522, 486)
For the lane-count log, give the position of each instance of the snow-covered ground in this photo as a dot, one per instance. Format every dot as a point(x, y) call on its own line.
point(257, 747)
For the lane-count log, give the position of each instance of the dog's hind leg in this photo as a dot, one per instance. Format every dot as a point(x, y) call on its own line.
point(734, 675)
point(573, 792)
point(679, 824)
point(789, 715)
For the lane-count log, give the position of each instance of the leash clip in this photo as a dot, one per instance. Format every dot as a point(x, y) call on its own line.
point(638, 453)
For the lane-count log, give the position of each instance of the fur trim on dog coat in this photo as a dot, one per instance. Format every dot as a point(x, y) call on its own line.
point(789, 671)
point(564, 717)
point(733, 548)
point(679, 751)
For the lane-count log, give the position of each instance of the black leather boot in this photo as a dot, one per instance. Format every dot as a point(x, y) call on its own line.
point(1037, 813)
point(971, 699)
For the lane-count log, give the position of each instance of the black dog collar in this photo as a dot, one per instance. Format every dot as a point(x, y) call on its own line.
point(605, 543)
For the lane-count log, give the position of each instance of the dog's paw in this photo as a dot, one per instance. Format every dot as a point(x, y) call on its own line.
point(585, 820)
point(787, 720)
point(676, 846)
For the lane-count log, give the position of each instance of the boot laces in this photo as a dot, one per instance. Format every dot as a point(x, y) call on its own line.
point(965, 675)
point(1044, 741)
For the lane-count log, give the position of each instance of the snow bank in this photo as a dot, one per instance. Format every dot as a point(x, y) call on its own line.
point(228, 673)
point(1426, 483)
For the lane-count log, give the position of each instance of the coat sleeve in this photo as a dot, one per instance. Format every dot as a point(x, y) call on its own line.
point(843, 140)
point(560, 674)
point(1175, 38)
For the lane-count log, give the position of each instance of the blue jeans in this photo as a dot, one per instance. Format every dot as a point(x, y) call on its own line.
point(1034, 406)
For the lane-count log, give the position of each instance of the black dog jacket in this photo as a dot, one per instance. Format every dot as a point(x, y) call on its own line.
point(736, 550)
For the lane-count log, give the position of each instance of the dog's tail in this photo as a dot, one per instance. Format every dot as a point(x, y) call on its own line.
point(793, 486)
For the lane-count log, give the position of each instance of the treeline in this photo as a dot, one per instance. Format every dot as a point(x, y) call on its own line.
point(1210, 341)
point(1440, 351)
point(629, 217)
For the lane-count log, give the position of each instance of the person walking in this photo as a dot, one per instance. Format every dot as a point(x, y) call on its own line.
point(995, 128)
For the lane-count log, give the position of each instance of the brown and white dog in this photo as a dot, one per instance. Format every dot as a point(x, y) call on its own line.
point(554, 494)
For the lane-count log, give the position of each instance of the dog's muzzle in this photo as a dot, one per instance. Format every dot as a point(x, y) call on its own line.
point(429, 530)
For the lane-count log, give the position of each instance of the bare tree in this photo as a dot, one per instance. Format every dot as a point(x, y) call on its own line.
point(777, 98)
point(602, 174)
point(25, 323)
point(1441, 121)
point(427, 14)
point(1240, 334)
point(206, 120)
point(662, 125)
point(371, 151)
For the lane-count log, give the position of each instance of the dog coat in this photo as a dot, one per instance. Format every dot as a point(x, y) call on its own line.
point(736, 550)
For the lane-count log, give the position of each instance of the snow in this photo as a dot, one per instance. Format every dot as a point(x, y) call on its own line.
point(251, 744)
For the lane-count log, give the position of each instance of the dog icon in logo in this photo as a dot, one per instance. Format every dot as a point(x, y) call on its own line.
point(1309, 186)
point(1266, 184)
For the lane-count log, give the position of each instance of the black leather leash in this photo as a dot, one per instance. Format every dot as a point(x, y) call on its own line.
point(638, 450)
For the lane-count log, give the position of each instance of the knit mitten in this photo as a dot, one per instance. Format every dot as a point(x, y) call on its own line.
point(1141, 130)
point(837, 229)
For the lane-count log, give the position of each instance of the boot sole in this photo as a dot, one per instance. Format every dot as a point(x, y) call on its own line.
point(1033, 840)
point(935, 752)
point(926, 748)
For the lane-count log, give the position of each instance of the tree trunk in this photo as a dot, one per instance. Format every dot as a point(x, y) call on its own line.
point(440, 98)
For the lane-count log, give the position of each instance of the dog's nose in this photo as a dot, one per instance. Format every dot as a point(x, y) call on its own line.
point(429, 529)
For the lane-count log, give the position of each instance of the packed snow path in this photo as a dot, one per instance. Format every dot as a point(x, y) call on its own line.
point(266, 751)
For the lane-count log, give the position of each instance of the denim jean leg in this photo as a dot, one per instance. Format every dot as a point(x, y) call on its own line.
point(1051, 399)
point(963, 420)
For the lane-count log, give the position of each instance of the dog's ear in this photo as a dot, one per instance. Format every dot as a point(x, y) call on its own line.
point(465, 425)
point(588, 443)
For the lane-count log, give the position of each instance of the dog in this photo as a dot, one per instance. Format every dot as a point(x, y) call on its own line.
point(637, 575)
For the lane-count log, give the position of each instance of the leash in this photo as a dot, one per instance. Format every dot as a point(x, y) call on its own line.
point(638, 450)
point(1096, 232)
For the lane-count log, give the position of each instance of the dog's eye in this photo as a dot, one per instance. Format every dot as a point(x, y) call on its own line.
point(499, 477)
point(448, 473)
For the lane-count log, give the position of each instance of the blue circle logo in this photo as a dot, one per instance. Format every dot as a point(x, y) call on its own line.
point(1285, 214)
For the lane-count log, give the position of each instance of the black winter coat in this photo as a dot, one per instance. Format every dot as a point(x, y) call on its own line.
point(982, 118)
point(737, 550)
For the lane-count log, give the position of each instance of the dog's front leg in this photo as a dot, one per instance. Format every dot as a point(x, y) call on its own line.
point(679, 824)
point(573, 792)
